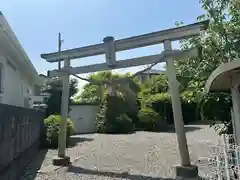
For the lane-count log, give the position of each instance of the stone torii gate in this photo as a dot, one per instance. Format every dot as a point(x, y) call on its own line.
point(109, 47)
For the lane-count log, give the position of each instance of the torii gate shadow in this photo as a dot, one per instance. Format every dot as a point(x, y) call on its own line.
point(171, 129)
point(124, 175)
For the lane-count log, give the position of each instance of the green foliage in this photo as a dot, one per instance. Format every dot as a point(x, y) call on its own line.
point(217, 106)
point(112, 117)
point(93, 93)
point(90, 94)
point(123, 124)
point(219, 44)
point(115, 112)
point(161, 103)
point(149, 120)
point(54, 89)
point(51, 131)
point(157, 84)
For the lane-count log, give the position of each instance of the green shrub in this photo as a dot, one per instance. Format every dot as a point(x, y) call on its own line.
point(51, 131)
point(149, 120)
point(101, 119)
point(161, 103)
point(123, 124)
point(112, 117)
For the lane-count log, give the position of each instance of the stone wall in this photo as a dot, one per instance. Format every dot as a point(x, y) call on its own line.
point(19, 139)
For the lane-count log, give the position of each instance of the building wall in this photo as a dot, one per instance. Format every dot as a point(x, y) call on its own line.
point(83, 117)
point(16, 89)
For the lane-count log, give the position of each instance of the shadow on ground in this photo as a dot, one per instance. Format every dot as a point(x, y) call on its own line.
point(124, 175)
point(30, 172)
point(171, 129)
point(118, 133)
point(74, 140)
point(192, 128)
point(204, 122)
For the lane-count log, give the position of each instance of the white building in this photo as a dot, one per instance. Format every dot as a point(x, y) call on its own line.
point(19, 80)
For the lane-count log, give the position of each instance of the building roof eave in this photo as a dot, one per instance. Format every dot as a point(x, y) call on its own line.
point(220, 79)
point(5, 27)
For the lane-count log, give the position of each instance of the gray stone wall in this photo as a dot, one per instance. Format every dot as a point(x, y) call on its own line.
point(19, 139)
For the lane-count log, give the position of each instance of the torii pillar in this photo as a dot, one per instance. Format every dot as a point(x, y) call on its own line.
point(186, 170)
point(62, 159)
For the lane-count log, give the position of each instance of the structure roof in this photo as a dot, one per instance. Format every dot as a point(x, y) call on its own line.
point(153, 71)
point(11, 37)
point(221, 78)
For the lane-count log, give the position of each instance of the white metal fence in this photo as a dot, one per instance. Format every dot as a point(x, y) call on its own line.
point(224, 161)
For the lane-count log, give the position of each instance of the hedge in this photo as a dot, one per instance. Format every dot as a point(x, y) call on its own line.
point(51, 131)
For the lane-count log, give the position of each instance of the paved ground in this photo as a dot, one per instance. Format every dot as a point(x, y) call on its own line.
point(143, 155)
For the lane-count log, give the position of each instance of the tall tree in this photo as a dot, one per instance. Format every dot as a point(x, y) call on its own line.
point(93, 92)
point(220, 43)
point(53, 89)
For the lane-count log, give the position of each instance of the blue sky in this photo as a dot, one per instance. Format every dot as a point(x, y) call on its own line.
point(36, 23)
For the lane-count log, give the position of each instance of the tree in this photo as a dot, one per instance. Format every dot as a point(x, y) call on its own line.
point(53, 89)
point(219, 44)
point(117, 113)
point(92, 93)
point(157, 84)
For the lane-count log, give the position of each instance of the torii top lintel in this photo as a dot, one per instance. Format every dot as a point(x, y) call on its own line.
point(130, 43)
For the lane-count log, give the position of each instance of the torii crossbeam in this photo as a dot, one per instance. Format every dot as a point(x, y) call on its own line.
point(109, 47)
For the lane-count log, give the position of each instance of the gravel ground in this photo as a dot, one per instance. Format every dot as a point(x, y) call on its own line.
point(142, 155)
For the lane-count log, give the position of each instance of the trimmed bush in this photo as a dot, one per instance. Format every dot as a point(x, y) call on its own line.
point(51, 131)
point(119, 125)
point(112, 117)
point(149, 120)
point(160, 103)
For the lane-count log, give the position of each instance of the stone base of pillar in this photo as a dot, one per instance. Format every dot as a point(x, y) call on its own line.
point(61, 161)
point(187, 172)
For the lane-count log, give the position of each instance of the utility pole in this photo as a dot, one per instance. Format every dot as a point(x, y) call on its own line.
point(60, 41)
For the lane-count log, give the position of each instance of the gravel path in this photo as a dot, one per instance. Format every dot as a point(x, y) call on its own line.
point(143, 155)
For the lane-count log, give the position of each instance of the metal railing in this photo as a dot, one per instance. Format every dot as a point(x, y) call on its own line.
point(224, 161)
